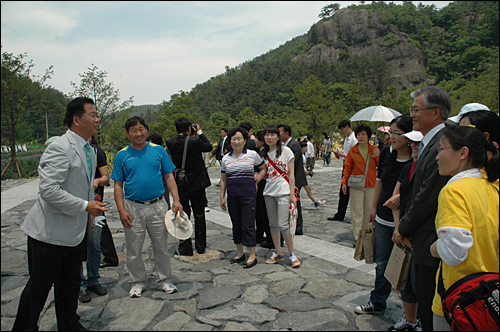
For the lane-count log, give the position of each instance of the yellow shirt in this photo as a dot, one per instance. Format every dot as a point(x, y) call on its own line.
point(471, 204)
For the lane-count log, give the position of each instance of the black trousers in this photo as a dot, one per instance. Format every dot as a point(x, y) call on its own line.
point(261, 220)
point(108, 246)
point(300, 221)
point(195, 201)
point(426, 287)
point(242, 212)
point(49, 265)
point(343, 201)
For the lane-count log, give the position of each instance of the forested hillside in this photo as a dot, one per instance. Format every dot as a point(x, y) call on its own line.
point(456, 47)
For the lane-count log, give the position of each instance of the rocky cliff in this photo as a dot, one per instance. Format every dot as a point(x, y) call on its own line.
point(360, 32)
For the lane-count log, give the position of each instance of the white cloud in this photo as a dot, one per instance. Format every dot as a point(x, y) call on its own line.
point(37, 19)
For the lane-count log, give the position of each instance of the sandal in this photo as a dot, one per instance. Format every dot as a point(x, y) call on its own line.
point(238, 260)
point(248, 265)
point(135, 292)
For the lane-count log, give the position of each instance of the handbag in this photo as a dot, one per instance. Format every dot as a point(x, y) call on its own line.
point(471, 303)
point(297, 192)
point(180, 174)
point(365, 246)
point(398, 267)
point(358, 181)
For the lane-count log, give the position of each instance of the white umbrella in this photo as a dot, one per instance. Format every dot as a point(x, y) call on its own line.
point(376, 113)
point(51, 139)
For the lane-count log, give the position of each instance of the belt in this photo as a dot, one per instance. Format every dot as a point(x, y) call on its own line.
point(149, 202)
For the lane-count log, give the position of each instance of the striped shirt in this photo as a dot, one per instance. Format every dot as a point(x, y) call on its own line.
point(240, 172)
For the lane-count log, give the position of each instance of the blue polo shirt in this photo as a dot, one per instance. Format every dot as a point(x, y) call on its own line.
point(142, 171)
point(240, 171)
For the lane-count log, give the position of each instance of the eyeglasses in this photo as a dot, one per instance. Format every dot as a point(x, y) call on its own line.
point(393, 133)
point(413, 142)
point(414, 110)
point(93, 116)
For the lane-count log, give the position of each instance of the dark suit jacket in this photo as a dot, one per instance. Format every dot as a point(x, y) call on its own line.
point(300, 175)
point(219, 149)
point(196, 171)
point(422, 201)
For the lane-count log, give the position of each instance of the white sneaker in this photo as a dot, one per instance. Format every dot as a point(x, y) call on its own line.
point(169, 288)
point(404, 325)
point(368, 308)
point(135, 291)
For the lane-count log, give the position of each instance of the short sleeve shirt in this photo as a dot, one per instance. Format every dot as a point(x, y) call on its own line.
point(142, 171)
point(101, 162)
point(276, 185)
point(240, 172)
point(328, 145)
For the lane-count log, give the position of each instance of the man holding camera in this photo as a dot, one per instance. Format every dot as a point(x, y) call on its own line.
point(192, 195)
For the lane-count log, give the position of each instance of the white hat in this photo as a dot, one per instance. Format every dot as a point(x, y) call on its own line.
point(414, 136)
point(179, 226)
point(472, 107)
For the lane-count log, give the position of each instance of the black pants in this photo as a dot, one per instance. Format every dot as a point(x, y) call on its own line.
point(300, 221)
point(242, 212)
point(49, 265)
point(343, 201)
point(196, 201)
point(108, 246)
point(261, 220)
point(426, 287)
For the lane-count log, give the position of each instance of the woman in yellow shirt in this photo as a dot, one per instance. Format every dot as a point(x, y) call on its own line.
point(467, 219)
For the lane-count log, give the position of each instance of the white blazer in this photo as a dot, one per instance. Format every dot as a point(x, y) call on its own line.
point(65, 184)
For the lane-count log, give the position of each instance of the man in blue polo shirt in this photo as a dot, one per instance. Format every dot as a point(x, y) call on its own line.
point(142, 166)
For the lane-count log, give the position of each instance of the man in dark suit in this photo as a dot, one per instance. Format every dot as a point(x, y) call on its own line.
point(61, 220)
point(300, 175)
point(192, 195)
point(223, 147)
point(431, 107)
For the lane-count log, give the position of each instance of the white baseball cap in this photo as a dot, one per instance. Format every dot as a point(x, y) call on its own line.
point(414, 136)
point(472, 107)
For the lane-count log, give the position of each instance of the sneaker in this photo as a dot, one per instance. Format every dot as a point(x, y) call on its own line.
point(368, 308)
point(135, 291)
point(275, 258)
point(294, 260)
point(318, 203)
point(169, 288)
point(403, 325)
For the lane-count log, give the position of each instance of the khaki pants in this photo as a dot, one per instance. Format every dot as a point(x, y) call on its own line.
point(361, 207)
point(148, 218)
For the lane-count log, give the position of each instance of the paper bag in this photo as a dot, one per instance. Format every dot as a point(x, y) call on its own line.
point(358, 252)
point(369, 244)
point(398, 267)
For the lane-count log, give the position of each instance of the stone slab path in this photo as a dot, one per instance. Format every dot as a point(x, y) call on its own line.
point(214, 295)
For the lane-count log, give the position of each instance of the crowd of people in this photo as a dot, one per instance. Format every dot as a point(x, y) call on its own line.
point(433, 188)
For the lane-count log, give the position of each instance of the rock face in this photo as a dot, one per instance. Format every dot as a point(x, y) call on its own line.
point(365, 35)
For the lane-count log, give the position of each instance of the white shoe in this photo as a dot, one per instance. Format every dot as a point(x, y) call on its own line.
point(135, 291)
point(169, 288)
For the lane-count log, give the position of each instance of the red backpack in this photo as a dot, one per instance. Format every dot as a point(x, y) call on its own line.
point(471, 303)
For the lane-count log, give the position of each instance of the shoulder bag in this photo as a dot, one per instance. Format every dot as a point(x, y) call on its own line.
point(180, 174)
point(358, 181)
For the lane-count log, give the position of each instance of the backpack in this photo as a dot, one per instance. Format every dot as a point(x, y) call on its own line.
point(471, 303)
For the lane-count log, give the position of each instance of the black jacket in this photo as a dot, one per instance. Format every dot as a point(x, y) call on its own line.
point(196, 171)
point(219, 149)
point(422, 202)
point(300, 175)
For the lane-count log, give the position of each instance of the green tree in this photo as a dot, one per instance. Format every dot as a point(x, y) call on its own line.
point(21, 90)
point(329, 10)
point(107, 99)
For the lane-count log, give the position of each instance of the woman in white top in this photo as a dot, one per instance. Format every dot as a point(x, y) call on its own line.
point(279, 193)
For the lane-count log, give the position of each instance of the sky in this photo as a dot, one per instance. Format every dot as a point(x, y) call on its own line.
point(151, 50)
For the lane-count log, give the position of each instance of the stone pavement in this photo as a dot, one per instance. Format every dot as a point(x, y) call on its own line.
point(214, 295)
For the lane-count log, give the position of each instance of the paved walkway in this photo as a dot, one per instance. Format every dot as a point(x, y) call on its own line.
point(213, 294)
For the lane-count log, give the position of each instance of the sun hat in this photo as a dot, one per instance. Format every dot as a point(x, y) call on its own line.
point(414, 136)
point(472, 107)
point(178, 226)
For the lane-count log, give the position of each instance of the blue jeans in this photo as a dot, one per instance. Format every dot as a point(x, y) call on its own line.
point(327, 158)
point(93, 260)
point(383, 249)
